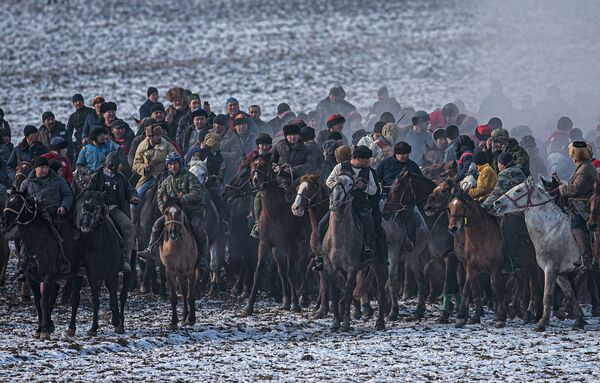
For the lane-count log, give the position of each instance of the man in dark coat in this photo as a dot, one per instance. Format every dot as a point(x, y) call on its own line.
point(93, 119)
point(501, 142)
point(77, 119)
point(335, 103)
point(152, 100)
point(194, 133)
point(26, 150)
point(187, 119)
point(261, 126)
point(284, 115)
point(51, 128)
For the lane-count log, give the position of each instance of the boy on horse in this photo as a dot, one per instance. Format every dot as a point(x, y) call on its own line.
point(183, 185)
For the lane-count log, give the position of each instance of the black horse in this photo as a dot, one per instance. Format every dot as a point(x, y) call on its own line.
point(42, 249)
point(102, 247)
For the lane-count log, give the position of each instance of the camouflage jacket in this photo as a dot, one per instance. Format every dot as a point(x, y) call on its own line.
point(193, 199)
point(508, 178)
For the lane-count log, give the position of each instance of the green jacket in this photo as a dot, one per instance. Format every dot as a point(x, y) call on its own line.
point(510, 177)
point(193, 199)
point(520, 156)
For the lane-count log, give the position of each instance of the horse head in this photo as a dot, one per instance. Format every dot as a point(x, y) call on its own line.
point(460, 209)
point(239, 186)
point(521, 197)
point(309, 193)
point(174, 218)
point(199, 169)
point(439, 198)
point(341, 193)
point(261, 173)
point(90, 210)
point(22, 172)
point(19, 209)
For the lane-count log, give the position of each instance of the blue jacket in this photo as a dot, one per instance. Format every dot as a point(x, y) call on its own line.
point(390, 168)
point(91, 121)
point(92, 157)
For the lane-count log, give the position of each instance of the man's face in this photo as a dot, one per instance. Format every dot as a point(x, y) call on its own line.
point(360, 162)
point(441, 142)
point(199, 122)
point(97, 107)
point(49, 121)
point(118, 132)
point(194, 104)
point(42, 171)
point(254, 112)
point(153, 97)
point(241, 129)
point(219, 129)
point(173, 167)
point(63, 152)
point(6, 139)
point(376, 135)
point(158, 115)
point(32, 138)
point(497, 144)
point(206, 106)
point(101, 138)
point(313, 123)
point(156, 135)
point(233, 108)
point(177, 103)
point(292, 138)
point(333, 98)
point(420, 128)
point(501, 167)
point(78, 104)
point(264, 148)
point(402, 157)
point(110, 116)
point(337, 128)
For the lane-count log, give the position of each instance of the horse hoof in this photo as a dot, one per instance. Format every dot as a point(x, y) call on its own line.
point(119, 329)
point(474, 320)
point(51, 327)
point(560, 315)
point(527, 318)
point(345, 328)
point(191, 321)
point(44, 335)
point(380, 326)
point(70, 332)
point(393, 316)
point(92, 333)
point(36, 335)
point(247, 311)
point(296, 308)
point(539, 327)
point(460, 322)
point(173, 327)
point(579, 324)
point(500, 324)
point(319, 315)
point(335, 326)
point(355, 314)
point(212, 293)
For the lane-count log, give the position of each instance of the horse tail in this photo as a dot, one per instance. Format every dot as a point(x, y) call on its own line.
point(363, 281)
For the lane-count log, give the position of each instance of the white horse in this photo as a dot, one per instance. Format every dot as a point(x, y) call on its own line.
point(555, 248)
point(199, 169)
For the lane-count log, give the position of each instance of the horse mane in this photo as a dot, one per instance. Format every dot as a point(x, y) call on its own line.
point(172, 202)
point(310, 178)
point(261, 160)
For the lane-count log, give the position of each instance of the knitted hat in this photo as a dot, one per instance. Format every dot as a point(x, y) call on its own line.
point(480, 158)
point(361, 151)
point(194, 96)
point(402, 148)
point(505, 158)
point(107, 107)
point(29, 130)
point(47, 115)
point(76, 97)
point(220, 119)
point(40, 161)
point(335, 119)
point(151, 91)
point(157, 107)
point(264, 139)
point(58, 143)
point(452, 132)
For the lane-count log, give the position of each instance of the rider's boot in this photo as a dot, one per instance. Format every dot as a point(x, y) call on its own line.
point(582, 238)
point(156, 231)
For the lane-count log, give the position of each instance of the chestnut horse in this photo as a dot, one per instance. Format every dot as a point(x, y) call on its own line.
point(483, 253)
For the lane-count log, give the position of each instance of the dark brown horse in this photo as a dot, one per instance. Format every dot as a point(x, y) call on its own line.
point(279, 229)
point(483, 253)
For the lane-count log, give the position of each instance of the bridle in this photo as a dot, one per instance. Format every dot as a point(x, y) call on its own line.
point(309, 200)
point(24, 207)
point(347, 193)
point(528, 194)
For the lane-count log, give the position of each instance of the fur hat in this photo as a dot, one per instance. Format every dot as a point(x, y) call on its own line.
point(292, 128)
point(176, 92)
point(213, 141)
point(361, 151)
point(335, 119)
point(98, 100)
point(264, 138)
point(107, 107)
point(580, 150)
point(40, 161)
point(343, 153)
point(389, 132)
point(402, 148)
point(47, 115)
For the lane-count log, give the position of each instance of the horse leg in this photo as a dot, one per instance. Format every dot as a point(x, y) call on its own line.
point(213, 291)
point(381, 275)
point(305, 268)
point(263, 252)
point(191, 297)
point(348, 290)
point(565, 286)
point(281, 271)
point(95, 290)
point(421, 290)
point(335, 303)
point(394, 287)
point(476, 293)
point(4, 255)
point(37, 299)
point(172, 286)
point(44, 304)
point(182, 280)
point(292, 278)
point(75, 298)
point(162, 281)
point(594, 293)
point(498, 285)
point(127, 283)
point(549, 285)
point(113, 286)
point(322, 308)
point(463, 311)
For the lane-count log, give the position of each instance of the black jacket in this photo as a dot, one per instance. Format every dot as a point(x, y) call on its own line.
point(77, 122)
point(126, 191)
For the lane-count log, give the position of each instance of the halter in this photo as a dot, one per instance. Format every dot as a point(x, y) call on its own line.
point(528, 194)
point(309, 200)
point(24, 206)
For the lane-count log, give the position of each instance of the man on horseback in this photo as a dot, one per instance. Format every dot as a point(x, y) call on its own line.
point(55, 198)
point(183, 185)
point(387, 171)
point(578, 191)
point(501, 142)
point(513, 225)
point(118, 194)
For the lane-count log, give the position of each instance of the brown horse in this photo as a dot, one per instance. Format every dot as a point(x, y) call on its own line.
point(312, 197)
point(483, 253)
point(179, 255)
point(594, 226)
point(279, 229)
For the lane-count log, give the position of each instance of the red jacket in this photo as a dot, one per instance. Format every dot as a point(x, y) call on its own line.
point(65, 165)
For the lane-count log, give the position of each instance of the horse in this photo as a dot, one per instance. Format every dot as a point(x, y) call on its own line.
point(593, 223)
point(342, 248)
point(550, 231)
point(42, 250)
point(102, 249)
point(483, 253)
point(407, 190)
point(312, 197)
point(440, 171)
point(278, 229)
point(199, 169)
point(179, 255)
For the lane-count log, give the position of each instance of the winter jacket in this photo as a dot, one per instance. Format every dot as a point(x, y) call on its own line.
point(322, 137)
point(519, 154)
point(326, 108)
point(301, 159)
point(508, 178)
point(183, 140)
point(464, 164)
point(91, 157)
point(76, 122)
point(390, 168)
point(65, 165)
point(193, 199)
point(173, 118)
point(580, 187)
point(420, 144)
point(91, 120)
point(6, 150)
point(50, 192)
point(24, 152)
point(126, 191)
point(486, 181)
point(316, 149)
point(380, 147)
point(231, 153)
point(146, 108)
point(58, 129)
point(154, 156)
point(450, 153)
point(263, 127)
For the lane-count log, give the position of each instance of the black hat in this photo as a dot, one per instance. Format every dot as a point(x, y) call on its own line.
point(452, 132)
point(579, 144)
point(157, 107)
point(387, 117)
point(402, 148)
point(576, 134)
point(450, 110)
point(76, 97)
point(112, 161)
point(241, 120)
point(495, 123)
point(528, 142)
point(337, 91)
point(361, 151)
point(47, 115)
point(220, 119)
point(108, 106)
point(283, 107)
point(291, 129)
point(118, 123)
point(480, 158)
point(356, 136)
point(151, 90)
point(199, 112)
point(96, 131)
point(439, 133)
point(564, 123)
point(54, 165)
point(335, 136)
point(40, 161)
point(378, 128)
point(307, 133)
point(264, 138)
point(505, 158)
point(29, 130)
